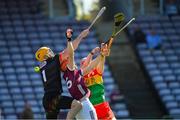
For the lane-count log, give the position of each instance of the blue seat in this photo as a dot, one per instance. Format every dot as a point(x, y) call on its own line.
point(157, 53)
point(3, 84)
point(55, 35)
point(33, 35)
point(107, 74)
point(163, 65)
point(5, 56)
point(39, 96)
point(13, 84)
point(35, 76)
point(177, 71)
point(169, 52)
point(169, 78)
point(14, 49)
point(176, 44)
point(161, 85)
point(144, 25)
point(18, 63)
point(42, 28)
point(109, 80)
point(154, 72)
point(12, 42)
point(151, 66)
point(30, 63)
point(19, 103)
point(141, 46)
point(122, 114)
point(163, 92)
point(35, 42)
point(16, 56)
point(26, 49)
point(44, 35)
point(9, 70)
point(25, 83)
point(7, 64)
point(177, 98)
point(24, 45)
point(36, 109)
point(175, 112)
point(33, 102)
point(4, 91)
point(159, 58)
point(30, 70)
point(19, 29)
point(172, 58)
point(11, 116)
point(176, 91)
point(5, 97)
point(28, 22)
point(175, 65)
point(167, 24)
point(144, 53)
point(171, 104)
point(148, 59)
point(22, 77)
point(170, 31)
point(7, 29)
point(16, 98)
point(39, 90)
point(28, 56)
point(2, 43)
point(174, 85)
point(29, 96)
point(21, 70)
point(155, 25)
point(27, 90)
point(8, 111)
point(119, 106)
point(168, 98)
point(166, 72)
point(167, 46)
point(21, 35)
point(15, 90)
point(10, 77)
point(7, 104)
point(37, 82)
point(53, 28)
point(158, 78)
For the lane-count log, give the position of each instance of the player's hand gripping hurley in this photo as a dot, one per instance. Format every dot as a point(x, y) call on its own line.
point(118, 19)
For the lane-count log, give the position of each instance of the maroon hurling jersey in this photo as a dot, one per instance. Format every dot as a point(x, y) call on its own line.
point(75, 84)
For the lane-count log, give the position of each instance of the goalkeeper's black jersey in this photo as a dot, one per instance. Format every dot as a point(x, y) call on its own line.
point(51, 75)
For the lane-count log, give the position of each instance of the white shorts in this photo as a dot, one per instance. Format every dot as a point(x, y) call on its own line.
point(87, 111)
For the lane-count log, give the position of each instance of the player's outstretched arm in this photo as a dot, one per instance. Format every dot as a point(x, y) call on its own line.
point(75, 43)
point(92, 65)
point(70, 48)
point(100, 66)
point(82, 35)
point(90, 55)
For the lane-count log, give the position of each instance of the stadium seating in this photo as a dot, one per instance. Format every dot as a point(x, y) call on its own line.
point(163, 65)
point(23, 29)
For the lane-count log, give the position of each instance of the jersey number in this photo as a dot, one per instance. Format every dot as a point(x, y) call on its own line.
point(44, 76)
point(69, 85)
